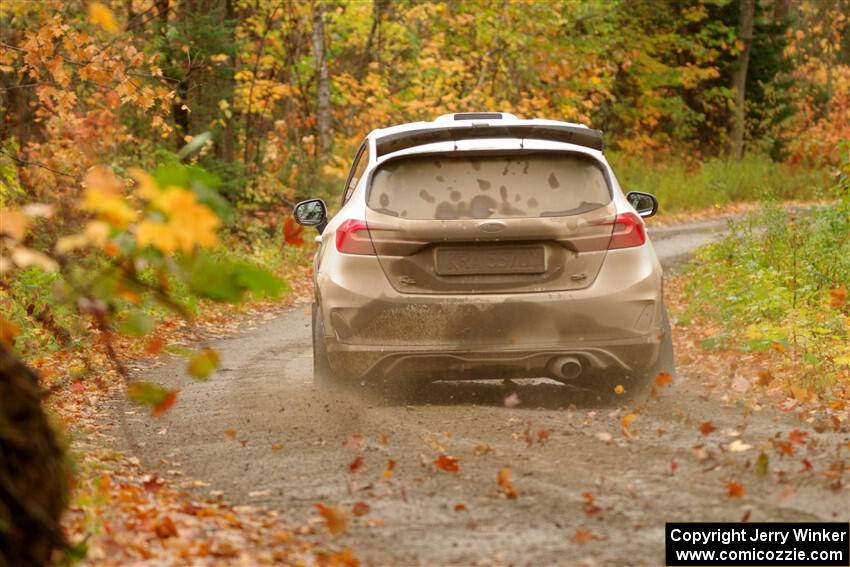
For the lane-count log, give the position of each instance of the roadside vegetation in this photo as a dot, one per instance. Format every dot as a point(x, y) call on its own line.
point(779, 283)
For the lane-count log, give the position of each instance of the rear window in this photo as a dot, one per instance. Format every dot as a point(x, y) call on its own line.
point(479, 187)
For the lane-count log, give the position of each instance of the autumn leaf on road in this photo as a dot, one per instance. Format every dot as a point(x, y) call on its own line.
point(707, 428)
point(504, 480)
point(356, 464)
point(663, 379)
point(590, 508)
point(165, 528)
point(230, 433)
point(360, 509)
point(762, 464)
point(797, 437)
point(734, 490)
point(335, 519)
point(388, 472)
point(584, 536)
point(447, 464)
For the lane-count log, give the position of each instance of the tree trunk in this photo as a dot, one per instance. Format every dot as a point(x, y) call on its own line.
point(739, 78)
point(323, 87)
point(33, 471)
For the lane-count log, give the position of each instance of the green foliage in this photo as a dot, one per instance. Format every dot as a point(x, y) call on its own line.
point(780, 281)
point(223, 279)
point(683, 186)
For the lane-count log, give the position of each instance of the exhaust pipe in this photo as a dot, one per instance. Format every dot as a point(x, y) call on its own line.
point(565, 367)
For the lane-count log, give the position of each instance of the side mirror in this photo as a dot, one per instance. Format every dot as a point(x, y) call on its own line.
point(645, 204)
point(312, 212)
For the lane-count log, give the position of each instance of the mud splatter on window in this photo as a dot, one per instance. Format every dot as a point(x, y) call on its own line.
point(537, 185)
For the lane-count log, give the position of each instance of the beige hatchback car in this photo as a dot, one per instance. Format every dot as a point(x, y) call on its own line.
point(480, 246)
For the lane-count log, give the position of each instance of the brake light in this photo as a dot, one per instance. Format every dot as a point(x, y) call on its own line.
point(628, 232)
point(352, 237)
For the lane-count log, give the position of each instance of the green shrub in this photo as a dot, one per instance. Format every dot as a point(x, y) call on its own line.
point(780, 280)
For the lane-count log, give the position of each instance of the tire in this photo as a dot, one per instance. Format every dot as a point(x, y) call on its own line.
point(323, 377)
point(638, 385)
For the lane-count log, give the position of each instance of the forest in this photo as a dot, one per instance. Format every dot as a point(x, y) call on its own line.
point(151, 152)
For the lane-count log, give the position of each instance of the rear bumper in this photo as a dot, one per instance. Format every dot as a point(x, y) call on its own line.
point(375, 330)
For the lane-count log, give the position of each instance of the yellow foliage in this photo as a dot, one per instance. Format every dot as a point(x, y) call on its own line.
point(189, 224)
point(103, 196)
point(102, 16)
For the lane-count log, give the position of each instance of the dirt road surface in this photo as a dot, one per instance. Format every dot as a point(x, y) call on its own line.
point(588, 493)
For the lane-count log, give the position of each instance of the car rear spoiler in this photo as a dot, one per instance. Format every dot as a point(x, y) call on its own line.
point(578, 135)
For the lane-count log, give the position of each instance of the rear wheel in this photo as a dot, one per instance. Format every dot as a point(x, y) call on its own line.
point(323, 377)
point(637, 385)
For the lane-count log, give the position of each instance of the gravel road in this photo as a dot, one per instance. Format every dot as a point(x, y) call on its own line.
point(574, 469)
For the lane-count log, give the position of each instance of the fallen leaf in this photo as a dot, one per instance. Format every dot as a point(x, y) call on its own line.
point(797, 437)
point(604, 436)
point(388, 472)
point(740, 384)
point(807, 465)
point(543, 435)
point(335, 519)
point(734, 490)
point(673, 466)
point(738, 446)
point(746, 517)
point(663, 379)
point(277, 446)
point(460, 507)
point(354, 441)
point(481, 450)
point(511, 401)
point(154, 345)
point(230, 433)
point(584, 535)
point(345, 557)
point(504, 480)
point(762, 464)
point(447, 463)
point(165, 528)
point(628, 419)
point(356, 464)
point(619, 390)
point(590, 508)
point(707, 428)
point(784, 448)
point(765, 377)
point(360, 509)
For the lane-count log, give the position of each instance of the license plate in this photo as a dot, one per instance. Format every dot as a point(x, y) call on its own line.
point(461, 261)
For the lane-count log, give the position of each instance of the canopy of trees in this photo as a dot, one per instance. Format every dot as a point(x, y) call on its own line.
point(288, 88)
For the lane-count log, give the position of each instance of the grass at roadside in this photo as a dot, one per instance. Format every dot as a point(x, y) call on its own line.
point(778, 284)
point(684, 186)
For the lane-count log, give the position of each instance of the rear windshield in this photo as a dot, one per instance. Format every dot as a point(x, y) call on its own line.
point(479, 187)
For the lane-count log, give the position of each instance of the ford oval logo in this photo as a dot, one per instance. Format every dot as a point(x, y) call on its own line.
point(491, 226)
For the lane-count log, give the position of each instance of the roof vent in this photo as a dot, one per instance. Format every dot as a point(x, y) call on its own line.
point(476, 116)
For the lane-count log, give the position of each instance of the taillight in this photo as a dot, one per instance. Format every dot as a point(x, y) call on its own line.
point(628, 232)
point(352, 237)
